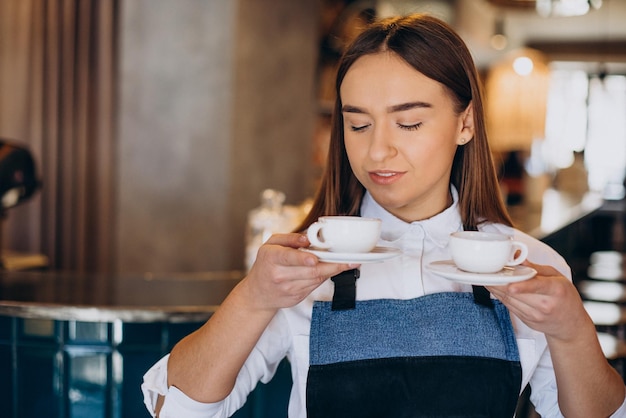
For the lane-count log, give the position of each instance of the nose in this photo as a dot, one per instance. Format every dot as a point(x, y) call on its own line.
point(382, 145)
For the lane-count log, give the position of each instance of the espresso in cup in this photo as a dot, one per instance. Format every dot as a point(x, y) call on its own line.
point(485, 252)
point(345, 234)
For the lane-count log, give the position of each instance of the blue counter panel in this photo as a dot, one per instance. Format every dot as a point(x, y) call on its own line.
point(73, 369)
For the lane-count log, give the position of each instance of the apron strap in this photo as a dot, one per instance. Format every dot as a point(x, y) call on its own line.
point(345, 290)
point(481, 295)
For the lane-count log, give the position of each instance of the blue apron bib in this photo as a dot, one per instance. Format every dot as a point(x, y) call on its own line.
point(440, 355)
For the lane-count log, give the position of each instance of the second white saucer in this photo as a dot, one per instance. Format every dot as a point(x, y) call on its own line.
point(447, 269)
point(378, 254)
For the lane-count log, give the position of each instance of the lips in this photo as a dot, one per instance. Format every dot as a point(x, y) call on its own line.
point(385, 177)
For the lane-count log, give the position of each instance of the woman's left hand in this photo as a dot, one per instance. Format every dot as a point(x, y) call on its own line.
point(548, 303)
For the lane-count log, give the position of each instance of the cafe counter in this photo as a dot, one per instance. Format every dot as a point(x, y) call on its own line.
point(70, 350)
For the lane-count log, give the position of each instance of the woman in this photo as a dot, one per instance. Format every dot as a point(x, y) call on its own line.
point(408, 146)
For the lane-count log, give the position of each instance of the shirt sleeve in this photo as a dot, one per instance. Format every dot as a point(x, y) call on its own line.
point(155, 384)
point(261, 366)
point(544, 393)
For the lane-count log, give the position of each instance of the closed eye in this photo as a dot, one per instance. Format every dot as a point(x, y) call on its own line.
point(359, 128)
point(412, 127)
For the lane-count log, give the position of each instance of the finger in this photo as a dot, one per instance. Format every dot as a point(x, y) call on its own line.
point(335, 268)
point(520, 294)
point(518, 306)
point(301, 286)
point(293, 240)
point(539, 295)
point(305, 258)
point(542, 270)
point(311, 266)
point(555, 285)
point(532, 285)
point(535, 285)
point(283, 250)
point(324, 270)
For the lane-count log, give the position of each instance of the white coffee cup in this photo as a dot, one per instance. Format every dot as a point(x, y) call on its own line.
point(345, 234)
point(485, 252)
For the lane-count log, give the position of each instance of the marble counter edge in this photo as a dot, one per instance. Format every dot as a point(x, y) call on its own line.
point(84, 313)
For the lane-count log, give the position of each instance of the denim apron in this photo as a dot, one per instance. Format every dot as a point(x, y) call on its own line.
point(439, 355)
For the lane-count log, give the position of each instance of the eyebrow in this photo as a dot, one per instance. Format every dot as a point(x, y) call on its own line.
point(391, 109)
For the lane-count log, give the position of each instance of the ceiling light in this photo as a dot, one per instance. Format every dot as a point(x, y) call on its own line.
point(523, 65)
point(498, 39)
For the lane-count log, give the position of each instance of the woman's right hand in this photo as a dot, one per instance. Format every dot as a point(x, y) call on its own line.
point(282, 276)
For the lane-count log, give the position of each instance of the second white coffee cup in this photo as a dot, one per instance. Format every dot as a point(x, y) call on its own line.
point(485, 252)
point(345, 234)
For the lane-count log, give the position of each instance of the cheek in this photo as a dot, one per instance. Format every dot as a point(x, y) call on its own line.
point(357, 155)
point(444, 141)
point(354, 151)
point(432, 154)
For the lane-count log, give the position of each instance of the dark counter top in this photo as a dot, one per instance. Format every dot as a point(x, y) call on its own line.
point(148, 298)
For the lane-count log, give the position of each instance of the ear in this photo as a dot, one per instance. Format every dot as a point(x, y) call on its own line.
point(466, 122)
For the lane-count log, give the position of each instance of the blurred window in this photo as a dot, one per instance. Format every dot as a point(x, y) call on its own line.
point(587, 113)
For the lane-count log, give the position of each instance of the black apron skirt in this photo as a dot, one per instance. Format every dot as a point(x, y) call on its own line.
point(440, 355)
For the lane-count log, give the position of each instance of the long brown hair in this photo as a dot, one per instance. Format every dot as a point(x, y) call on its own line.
point(434, 49)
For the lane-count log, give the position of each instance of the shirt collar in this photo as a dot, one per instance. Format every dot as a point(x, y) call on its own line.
point(437, 228)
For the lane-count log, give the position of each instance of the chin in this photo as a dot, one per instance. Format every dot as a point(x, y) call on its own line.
point(390, 204)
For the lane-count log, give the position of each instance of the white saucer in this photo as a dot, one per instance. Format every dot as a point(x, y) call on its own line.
point(378, 254)
point(447, 269)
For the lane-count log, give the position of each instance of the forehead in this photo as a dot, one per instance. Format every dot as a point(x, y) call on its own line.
point(387, 79)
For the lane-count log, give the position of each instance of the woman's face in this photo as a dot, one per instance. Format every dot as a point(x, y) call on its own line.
point(401, 133)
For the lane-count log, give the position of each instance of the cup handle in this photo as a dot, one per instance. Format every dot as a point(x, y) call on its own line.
point(523, 253)
point(313, 235)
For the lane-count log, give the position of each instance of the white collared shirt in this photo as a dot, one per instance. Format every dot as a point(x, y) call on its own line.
point(403, 277)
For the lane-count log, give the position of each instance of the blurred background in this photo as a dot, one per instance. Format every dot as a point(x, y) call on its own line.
point(155, 125)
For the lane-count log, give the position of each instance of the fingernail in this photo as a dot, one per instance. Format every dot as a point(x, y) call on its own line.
point(309, 261)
